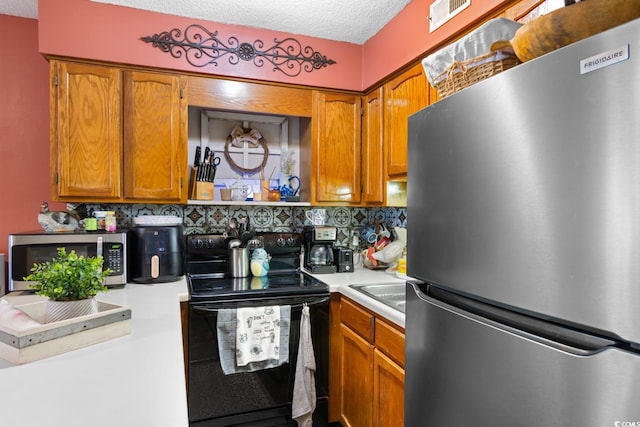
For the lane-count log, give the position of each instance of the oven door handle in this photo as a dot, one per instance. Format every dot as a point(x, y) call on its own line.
point(213, 308)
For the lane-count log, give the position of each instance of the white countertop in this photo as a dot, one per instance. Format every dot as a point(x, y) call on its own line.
point(339, 282)
point(134, 380)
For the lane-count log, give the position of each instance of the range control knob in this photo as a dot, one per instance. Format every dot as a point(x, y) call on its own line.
point(198, 243)
point(291, 241)
point(211, 243)
point(280, 242)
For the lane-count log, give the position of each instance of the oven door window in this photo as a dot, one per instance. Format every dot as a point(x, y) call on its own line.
point(247, 396)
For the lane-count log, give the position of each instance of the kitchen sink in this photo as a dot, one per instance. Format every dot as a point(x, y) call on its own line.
point(391, 294)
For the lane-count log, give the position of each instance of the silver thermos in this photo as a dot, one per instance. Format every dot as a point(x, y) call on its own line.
point(239, 262)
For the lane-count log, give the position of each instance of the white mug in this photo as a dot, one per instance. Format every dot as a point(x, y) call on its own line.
point(316, 216)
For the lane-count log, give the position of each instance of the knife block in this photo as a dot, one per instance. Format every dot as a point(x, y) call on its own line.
point(199, 190)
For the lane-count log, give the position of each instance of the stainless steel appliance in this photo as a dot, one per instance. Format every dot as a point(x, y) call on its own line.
point(318, 248)
point(25, 249)
point(262, 397)
point(524, 231)
point(156, 253)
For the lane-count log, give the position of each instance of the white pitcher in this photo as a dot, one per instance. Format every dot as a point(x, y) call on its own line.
point(240, 191)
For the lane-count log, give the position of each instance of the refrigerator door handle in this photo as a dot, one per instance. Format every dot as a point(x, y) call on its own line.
point(560, 337)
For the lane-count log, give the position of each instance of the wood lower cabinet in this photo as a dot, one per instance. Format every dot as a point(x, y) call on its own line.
point(336, 147)
point(117, 135)
point(367, 384)
point(388, 389)
point(357, 380)
point(388, 375)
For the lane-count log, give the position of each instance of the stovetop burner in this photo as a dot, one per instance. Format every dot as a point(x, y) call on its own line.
point(207, 278)
point(203, 288)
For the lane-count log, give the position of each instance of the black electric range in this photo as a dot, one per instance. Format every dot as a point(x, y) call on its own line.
point(262, 397)
point(207, 262)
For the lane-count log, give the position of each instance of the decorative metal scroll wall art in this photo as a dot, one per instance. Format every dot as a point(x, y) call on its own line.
point(200, 47)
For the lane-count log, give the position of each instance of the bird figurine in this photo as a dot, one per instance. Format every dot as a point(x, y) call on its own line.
point(259, 262)
point(56, 221)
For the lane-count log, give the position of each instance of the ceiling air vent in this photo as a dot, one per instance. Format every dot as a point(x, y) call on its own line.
point(441, 11)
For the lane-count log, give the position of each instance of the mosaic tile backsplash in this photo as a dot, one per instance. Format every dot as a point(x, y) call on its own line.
point(200, 219)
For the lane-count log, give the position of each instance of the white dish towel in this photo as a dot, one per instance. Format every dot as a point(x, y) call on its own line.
point(257, 334)
point(304, 386)
point(226, 327)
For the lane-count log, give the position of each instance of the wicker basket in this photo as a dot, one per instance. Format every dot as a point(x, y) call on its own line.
point(460, 75)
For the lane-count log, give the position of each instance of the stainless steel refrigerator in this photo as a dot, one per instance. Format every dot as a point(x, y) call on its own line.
point(524, 235)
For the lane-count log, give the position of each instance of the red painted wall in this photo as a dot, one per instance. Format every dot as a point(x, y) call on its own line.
point(24, 127)
point(85, 29)
point(407, 37)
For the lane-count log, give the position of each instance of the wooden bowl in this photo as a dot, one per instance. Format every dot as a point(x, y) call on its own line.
point(568, 25)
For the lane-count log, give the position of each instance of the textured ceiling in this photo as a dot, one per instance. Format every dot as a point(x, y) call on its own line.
point(352, 21)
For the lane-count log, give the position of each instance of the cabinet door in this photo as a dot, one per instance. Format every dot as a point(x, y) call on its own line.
point(336, 148)
point(86, 132)
point(373, 167)
point(335, 359)
point(390, 341)
point(388, 403)
point(404, 95)
point(357, 380)
point(155, 137)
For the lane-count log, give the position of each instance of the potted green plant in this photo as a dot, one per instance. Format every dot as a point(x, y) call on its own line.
point(71, 282)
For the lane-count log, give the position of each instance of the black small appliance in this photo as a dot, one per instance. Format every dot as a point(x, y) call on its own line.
point(156, 253)
point(262, 397)
point(318, 248)
point(343, 259)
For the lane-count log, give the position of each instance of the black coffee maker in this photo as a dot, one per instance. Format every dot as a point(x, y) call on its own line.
point(318, 248)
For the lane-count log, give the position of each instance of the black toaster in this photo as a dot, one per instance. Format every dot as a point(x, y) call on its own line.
point(343, 259)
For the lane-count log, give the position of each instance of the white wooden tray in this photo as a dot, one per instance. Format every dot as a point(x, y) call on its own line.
point(39, 342)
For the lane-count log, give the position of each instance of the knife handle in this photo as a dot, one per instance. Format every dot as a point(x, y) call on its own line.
point(196, 161)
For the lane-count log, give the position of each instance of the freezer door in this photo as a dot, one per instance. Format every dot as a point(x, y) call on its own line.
point(524, 188)
point(465, 370)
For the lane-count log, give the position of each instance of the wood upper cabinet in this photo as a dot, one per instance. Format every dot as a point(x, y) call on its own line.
point(336, 147)
point(404, 95)
point(155, 126)
point(117, 135)
point(373, 166)
point(86, 131)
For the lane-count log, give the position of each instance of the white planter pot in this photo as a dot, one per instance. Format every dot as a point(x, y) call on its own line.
point(62, 310)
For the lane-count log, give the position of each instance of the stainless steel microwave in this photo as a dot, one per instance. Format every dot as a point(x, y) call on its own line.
point(26, 249)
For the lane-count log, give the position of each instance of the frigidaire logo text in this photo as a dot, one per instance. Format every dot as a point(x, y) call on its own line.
point(608, 57)
point(626, 423)
point(604, 59)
